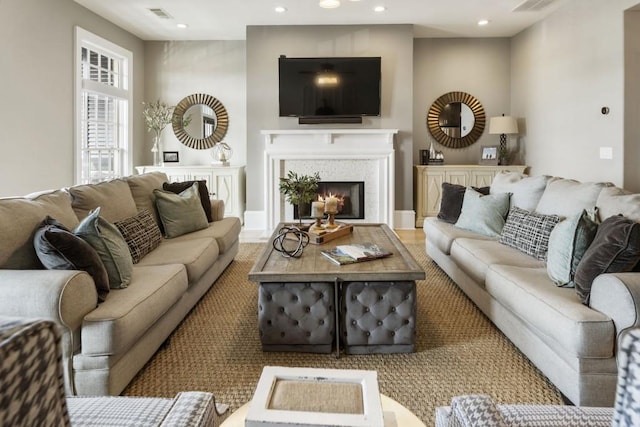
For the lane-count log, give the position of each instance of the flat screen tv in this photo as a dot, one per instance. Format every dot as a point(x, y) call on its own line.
point(329, 87)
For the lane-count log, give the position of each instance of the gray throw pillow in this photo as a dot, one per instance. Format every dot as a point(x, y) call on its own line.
point(180, 213)
point(111, 247)
point(451, 201)
point(483, 214)
point(528, 232)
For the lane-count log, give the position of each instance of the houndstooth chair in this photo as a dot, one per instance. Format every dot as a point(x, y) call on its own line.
point(480, 410)
point(32, 389)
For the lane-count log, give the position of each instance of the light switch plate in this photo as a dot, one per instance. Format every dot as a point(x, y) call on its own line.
point(606, 153)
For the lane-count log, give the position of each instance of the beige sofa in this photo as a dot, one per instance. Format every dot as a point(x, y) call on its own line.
point(573, 344)
point(105, 345)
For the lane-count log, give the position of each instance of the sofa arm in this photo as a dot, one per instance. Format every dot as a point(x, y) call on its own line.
point(618, 296)
point(194, 409)
point(217, 209)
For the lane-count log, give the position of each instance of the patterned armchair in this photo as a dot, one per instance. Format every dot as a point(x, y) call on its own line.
point(32, 388)
point(480, 410)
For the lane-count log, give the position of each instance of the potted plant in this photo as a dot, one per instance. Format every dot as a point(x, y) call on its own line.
point(299, 189)
point(157, 115)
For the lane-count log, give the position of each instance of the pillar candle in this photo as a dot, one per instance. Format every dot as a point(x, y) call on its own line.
point(317, 209)
point(332, 204)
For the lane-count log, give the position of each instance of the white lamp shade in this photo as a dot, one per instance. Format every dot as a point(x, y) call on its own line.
point(503, 124)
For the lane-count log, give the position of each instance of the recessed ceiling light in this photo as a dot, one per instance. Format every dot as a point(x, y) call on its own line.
point(379, 9)
point(483, 22)
point(280, 9)
point(182, 25)
point(329, 4)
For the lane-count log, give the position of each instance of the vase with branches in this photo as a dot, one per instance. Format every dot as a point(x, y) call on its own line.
point(299, 189)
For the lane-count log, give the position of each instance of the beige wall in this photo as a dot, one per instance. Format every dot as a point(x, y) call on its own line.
point(175, 69)
point(394, 43)
point(632, 101)
point(563, 71)
point(480, 67)
point(36, 86)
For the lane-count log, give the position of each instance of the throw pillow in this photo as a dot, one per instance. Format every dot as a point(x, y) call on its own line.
point(141, 233)
point(203, 191)
point(451, 201)
point(180, 213)
point(526, 191)
point(528, 232)
point(483, 214)
point(615, 249)
point(567, 243)
point(58, 249)
point(105, 238)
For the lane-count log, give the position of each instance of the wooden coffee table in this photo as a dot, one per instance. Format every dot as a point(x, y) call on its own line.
point(302, 302)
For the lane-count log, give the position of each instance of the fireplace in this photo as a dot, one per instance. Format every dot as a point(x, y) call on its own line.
point(351, 194)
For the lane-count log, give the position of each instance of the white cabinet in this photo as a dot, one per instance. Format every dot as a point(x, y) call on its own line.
point(224, 182)
point(428, 181)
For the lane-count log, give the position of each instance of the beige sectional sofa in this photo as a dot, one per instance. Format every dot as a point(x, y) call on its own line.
point(573, 344)
point(106, 344)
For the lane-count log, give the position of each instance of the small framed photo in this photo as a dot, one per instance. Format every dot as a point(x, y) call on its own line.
point(170, 157)
point(489, 155)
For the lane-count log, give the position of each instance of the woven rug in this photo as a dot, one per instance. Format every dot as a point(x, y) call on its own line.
point(459, 351)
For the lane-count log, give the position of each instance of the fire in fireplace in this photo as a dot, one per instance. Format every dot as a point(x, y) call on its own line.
point(351, 193)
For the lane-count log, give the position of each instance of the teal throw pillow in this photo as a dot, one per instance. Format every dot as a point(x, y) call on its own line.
point(180, 213)
point(483, 214)
point(567, 244)
point(111, 247)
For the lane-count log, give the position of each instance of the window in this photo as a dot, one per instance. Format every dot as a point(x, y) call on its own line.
point(103, 109)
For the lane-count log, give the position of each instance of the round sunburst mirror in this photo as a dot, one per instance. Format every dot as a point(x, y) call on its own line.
point(200, 121)
point(456, 119)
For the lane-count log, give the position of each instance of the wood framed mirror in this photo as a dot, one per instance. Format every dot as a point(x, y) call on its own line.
point(206, 121)
point(456, 119)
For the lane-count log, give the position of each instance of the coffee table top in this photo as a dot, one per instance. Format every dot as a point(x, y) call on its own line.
point(312, 266)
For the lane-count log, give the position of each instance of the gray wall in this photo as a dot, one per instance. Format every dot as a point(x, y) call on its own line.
point(175, 69)
point(480, 67)
point(563, 71)
point(632, 101)
point(394, 43)
point(36, 83)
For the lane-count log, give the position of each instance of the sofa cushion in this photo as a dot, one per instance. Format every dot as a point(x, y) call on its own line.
point(526, 191)
point(203, 191)
point(197, 255)
point(20, 217)
point(528, 232)
point(141, 233)
point(475, 256)
point(567, 197)
point(180, 213)
point(142, 187)
point(224, 231)
point(615, 249)
point(125, 316)
point(555, 313)
point(442, 234)
point(567, 244)
point(105, 238)
point(59, 249)
point(483, 214)
point(112, 197)
point(615, 201)
point(451, 201)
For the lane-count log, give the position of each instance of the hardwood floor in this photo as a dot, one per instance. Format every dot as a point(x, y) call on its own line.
point(415, 235)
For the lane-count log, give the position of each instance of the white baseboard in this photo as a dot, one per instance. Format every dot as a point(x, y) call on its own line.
point(255, 220)
point(403, 220)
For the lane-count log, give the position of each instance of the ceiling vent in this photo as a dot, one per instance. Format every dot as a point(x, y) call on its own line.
point(532, 5)
point(160, 13)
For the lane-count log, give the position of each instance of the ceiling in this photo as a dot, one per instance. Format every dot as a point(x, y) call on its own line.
point(227, 20)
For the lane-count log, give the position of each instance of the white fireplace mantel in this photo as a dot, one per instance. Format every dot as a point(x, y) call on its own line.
point(338, 154)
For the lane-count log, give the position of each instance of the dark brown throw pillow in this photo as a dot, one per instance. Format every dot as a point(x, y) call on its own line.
point(615, 249)
point(451, 201)
point(141, 233)
point(179, 187)
point(59, 249)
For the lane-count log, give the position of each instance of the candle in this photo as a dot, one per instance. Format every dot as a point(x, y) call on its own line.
point(332, 204)
point(317, 209)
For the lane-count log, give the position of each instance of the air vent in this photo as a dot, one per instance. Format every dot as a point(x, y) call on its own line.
point(532, 5)
point(160, 13)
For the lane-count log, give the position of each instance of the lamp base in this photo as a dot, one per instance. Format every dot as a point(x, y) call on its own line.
point(503, 153)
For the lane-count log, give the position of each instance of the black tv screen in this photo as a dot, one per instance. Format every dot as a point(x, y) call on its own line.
point(320, 87)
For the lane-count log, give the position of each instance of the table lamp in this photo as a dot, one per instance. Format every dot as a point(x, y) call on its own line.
point(503, 126)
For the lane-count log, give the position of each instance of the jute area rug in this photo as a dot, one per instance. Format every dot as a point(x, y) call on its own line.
point(459, 351)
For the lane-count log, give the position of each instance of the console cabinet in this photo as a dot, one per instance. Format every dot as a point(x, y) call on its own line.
point(224, 182)
point(427, 183)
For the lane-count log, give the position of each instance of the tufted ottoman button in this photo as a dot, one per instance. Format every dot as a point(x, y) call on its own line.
point(393, 334)
point(368, 333)
point(308, 334)
point(307, 309)
point(269, 297)
point(353, 297)
point(281, 309)
point(353, 322)
point(294, 298)
point(321, 322)
point(380, 297)
point(295, 322)
point(379, 322)
point(406, 321)
point(282, 334)
point(269, 322)
point(320, 295)
point(393, 309)
point(366, 309)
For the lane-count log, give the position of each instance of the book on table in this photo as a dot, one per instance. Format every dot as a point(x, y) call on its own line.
point(357, 252)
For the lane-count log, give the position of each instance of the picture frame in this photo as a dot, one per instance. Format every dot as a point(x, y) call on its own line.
point(170, 156)
point(489, 155)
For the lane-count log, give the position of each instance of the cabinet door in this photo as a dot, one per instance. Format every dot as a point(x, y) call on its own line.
point(482, 178)
point(459, 177)
point(224, 184)
point(433, 186)
point(204, 176)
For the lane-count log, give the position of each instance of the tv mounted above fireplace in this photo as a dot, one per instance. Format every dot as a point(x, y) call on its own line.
point(329, 90)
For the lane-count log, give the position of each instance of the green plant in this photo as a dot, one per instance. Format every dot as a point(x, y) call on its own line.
point(157, 115)
point(299, 189)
